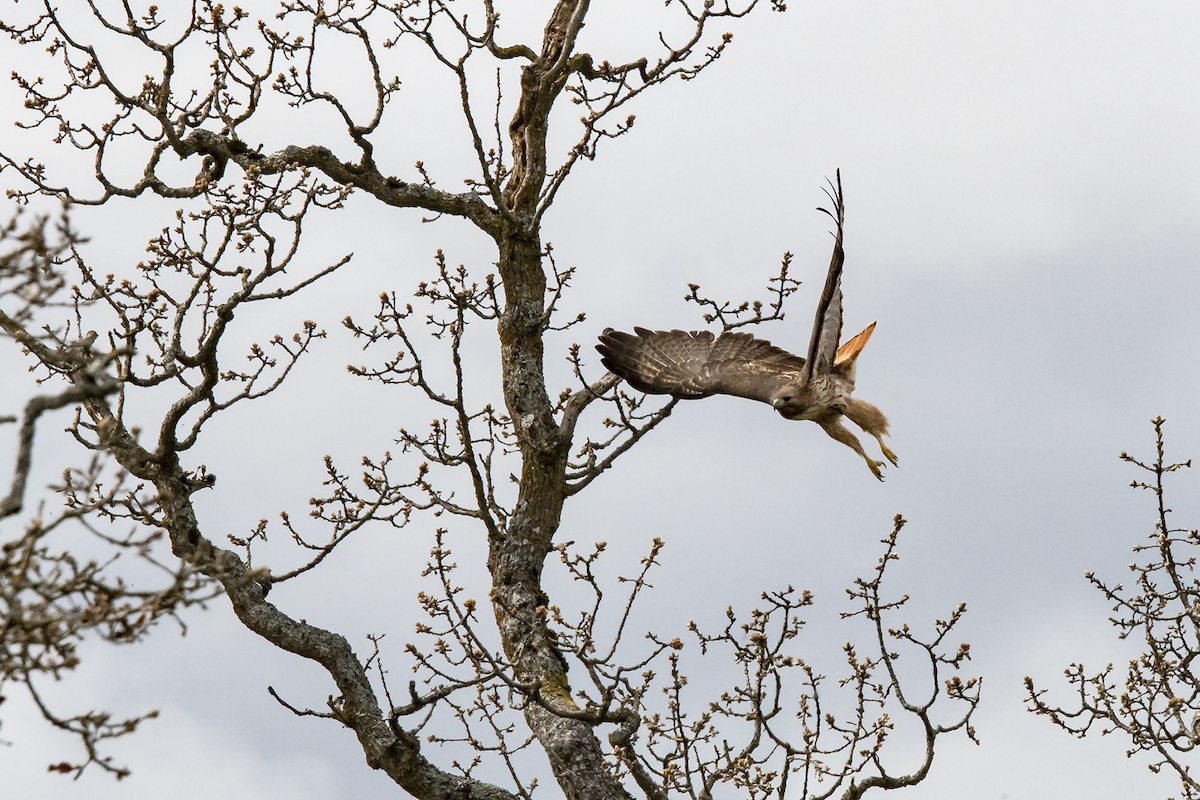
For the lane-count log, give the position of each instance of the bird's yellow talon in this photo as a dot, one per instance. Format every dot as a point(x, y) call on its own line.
point(875, 465)
point(890, 455)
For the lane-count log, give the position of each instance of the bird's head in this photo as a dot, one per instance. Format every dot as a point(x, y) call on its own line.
point(793, 403)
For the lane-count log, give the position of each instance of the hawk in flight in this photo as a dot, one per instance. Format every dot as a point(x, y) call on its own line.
point(693, 365)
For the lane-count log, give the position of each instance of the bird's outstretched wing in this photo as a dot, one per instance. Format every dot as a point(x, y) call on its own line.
point(827, 327)
point(696, 364)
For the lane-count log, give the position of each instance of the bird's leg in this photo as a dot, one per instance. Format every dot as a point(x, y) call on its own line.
point(839, 432)
point(871, 420)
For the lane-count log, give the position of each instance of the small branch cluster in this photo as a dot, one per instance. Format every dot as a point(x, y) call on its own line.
point(32, 278)
point(731, 315)
point(161, 110)
point(812, 752)
point(1158, 710)
point(465, 678)
point(627, 423)
point(603, 89)
point(468, 439)
point(52, 599)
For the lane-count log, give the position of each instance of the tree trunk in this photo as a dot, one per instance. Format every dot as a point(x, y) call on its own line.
point(517, 556)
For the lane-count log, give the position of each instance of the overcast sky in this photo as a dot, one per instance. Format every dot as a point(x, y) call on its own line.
point(1022, 186)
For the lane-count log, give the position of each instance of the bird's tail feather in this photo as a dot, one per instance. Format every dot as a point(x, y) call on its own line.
point(848, 352)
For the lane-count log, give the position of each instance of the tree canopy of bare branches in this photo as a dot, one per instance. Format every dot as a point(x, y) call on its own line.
point(174, 104)
point(1158, 709)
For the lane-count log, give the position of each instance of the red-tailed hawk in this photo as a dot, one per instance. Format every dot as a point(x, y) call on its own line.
point(696, 364)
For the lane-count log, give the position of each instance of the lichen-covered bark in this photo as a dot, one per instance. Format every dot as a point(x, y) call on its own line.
point(517, 556)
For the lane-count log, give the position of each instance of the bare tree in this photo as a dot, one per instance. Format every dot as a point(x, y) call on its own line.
point(52, 597)
point(1158, 709)
point(235, 246)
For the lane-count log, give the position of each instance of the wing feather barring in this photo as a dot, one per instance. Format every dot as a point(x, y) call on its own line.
point(693, 365)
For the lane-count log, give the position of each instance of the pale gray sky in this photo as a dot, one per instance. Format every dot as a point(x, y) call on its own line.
point(1023, 216)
